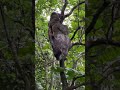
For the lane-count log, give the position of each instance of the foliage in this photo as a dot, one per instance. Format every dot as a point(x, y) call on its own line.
point(47, 68)
point(103, 47)
point(16, 45)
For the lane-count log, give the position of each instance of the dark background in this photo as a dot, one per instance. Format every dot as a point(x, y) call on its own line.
point(17, 45)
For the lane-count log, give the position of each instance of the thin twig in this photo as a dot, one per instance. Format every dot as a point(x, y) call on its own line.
point(75, 32)
point(75, 44)
point(67, 15)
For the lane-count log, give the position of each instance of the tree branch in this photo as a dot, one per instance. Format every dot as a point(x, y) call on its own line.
point(111, 27)
point(62, 17)
point(67, 15)
point(31, 31)
point(64, 7)
point(14, 52)
point(77, 86)
point(110, 64)
point(106, 76)
point(95, 17)
point(75, 32)
point(75, 78)
point(63, 76)
point(90, 44)
point(76, 43)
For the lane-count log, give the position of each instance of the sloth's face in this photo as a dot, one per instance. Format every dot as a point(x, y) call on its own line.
point(55, 15)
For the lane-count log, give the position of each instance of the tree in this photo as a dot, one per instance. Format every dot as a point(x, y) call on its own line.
point(74, 72)
point(17, 45)
point(102, 44)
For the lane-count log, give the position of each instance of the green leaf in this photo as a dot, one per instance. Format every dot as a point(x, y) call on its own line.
point(98, 24)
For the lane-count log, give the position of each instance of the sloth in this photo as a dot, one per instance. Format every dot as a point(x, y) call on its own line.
point(58, 36)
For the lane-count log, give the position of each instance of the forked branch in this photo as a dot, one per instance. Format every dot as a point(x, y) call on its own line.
point(64, 7)
point(67, 15)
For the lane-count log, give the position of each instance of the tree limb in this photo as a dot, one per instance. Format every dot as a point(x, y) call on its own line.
point(62, 17)
point(76, 43)
point(31, 30)
point(106, 76)
point(111, 27)
point(64, 7)
point(110, 64)
point(75, 32)
point(14, 52)
point(63, 76)
point(75, 78)
point(67, 15)
point(77, 86)
point(102, 42)
point(95, 17)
